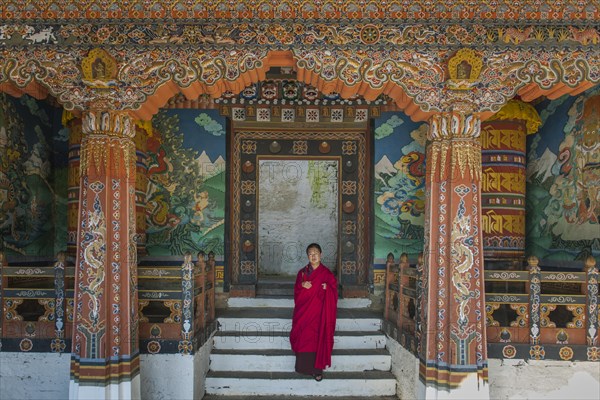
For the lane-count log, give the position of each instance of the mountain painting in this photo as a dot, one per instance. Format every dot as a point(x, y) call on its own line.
point(186, 183)
point(399, 186)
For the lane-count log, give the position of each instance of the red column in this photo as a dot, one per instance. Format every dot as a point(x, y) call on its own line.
point(105, 354)
point(452, 351)
point(503, 139)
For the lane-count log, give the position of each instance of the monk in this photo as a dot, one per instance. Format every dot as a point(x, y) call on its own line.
point(315, 310)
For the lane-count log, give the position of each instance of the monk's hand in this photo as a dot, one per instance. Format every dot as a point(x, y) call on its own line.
point(306, 284)
point(324, 286)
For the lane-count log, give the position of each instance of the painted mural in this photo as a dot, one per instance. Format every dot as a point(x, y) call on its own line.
point(186, 183)
point(563, 180)
point(33, 177)
point(399, 186)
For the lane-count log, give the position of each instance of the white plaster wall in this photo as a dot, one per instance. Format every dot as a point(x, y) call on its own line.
point(472, 387)
point(175, 376)
point(34, 376)
point(167, 376)
point(201, 367)
point(548, 380)
point(405, 367)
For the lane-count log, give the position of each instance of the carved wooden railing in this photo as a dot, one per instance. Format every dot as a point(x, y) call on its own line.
point(401, 294)
point(176, 305)
point(37, 305)
point(537, 314)
point(530, 314)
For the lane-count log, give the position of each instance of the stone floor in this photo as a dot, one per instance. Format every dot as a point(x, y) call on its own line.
point(213, 397)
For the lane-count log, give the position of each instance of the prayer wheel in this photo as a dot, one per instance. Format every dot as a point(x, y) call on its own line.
point(74, 125)
point(143, 131)
point(503, 145)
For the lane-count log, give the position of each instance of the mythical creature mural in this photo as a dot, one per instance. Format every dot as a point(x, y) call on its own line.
point(33, 177)
point(399, 185)
point(563, 180)
point(186, 183)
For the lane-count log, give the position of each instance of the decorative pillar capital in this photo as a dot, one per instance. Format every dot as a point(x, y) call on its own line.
point(108, 143)
point(454, 148)
point(533, 265)
point(590, 265)
point(454, 124)
point(110, 123)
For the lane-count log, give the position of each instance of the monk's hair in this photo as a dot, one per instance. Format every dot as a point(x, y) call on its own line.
point(314, 246)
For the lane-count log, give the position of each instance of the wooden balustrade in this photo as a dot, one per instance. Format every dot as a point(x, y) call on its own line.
point(37, 305)
point(36, 299)
point(532, 314)
point(400, 309)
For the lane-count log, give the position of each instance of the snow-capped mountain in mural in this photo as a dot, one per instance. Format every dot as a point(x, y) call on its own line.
point(541, 168)
point(384, 166)
point(207, 167)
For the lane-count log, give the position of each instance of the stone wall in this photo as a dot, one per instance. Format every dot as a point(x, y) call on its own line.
point(34, 376)
point(520, 379)
point(46, 375)
point(509, 379)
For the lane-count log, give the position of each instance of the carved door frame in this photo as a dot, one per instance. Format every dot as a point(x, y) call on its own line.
point(250, 141)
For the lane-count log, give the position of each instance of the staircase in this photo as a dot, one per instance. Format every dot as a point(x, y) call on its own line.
point(251, 357)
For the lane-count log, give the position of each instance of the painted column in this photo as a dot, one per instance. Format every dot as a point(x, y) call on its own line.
point(503, 139)
point(74, 125)
point(592, 324)
point(105, 353)
point(536, 351)
point(453, 357)
point(58, 345)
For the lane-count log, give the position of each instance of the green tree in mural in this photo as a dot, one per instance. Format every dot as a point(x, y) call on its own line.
point(181, 215)
point(28, 181)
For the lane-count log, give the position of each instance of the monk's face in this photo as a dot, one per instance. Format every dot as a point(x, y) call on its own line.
point(314, 257)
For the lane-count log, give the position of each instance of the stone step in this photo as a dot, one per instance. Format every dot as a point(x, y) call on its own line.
point(275, 289)
point(358, 384)
point(277, 340)
point(288, 397)
point(252, 320)
point(285, 301)
point(348, 360)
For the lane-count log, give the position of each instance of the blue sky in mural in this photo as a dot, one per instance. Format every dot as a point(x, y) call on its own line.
point(554, 118)
point(387, 139)
point(207, 134)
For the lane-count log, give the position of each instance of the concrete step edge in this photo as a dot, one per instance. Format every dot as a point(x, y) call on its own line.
point(357, 375)
point(281, 352)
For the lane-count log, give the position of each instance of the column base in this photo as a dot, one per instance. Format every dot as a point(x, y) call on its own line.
point(122, 390)
point(472, 386)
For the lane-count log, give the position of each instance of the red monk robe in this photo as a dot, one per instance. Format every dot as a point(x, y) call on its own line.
point(313, 324)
